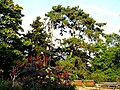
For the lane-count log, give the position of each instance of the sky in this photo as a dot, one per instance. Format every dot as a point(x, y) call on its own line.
point(107, 11)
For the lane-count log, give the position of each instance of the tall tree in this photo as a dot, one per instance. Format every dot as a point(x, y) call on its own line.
point(10, 25)
point(84, 31)
point(38, 36)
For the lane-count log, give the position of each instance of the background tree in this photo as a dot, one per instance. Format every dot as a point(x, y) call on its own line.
point(39, 38)
point(107, 59)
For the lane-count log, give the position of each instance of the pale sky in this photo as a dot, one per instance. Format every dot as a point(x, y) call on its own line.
point(101, 10)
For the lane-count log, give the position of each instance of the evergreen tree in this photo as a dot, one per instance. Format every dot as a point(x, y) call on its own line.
point(38, 37)
point(10, 25)
point(84, 31)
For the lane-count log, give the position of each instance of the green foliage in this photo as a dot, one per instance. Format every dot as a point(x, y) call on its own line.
point(98, 76)
point(38, 36)
point(75, 66)
point(106, 60)
point(87, 44)
point(10, 25)
point(6, 85)
point(112, 39)
point(84, 31)
point(76, 20)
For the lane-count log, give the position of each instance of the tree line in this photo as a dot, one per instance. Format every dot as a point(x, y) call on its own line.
point(88, 53)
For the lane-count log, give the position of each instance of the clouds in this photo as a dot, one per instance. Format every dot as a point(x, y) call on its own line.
point(110, 17)
point(102, 11)
point(99, 10)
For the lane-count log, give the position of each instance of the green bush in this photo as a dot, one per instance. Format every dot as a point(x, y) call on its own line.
point(7, 85)
point(4, 84)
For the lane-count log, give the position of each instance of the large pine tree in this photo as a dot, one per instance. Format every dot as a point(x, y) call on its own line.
point(10, 25)
point(84, 31)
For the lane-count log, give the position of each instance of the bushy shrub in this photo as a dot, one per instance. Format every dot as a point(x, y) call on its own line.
point(4, 84)
point(35, 76)
point(7, 85)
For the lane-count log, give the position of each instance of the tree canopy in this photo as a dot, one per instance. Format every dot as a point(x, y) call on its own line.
point(88, 53)
point(10, 25)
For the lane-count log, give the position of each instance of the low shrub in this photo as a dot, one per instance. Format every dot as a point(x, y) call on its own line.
point(31, 76)
point(7, 85)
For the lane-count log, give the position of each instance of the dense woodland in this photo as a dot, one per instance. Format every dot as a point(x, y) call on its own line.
point(88, 54)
